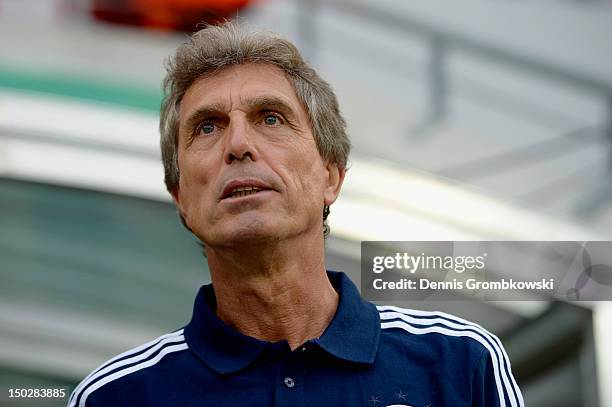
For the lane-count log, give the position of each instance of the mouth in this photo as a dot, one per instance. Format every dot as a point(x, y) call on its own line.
point(244, 191)
point(244, 188)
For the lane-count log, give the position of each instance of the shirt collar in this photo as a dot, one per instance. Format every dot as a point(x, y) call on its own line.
point(352, 335)
point(354, 332)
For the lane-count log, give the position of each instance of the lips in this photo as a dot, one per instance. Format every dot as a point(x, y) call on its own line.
point(240, 188)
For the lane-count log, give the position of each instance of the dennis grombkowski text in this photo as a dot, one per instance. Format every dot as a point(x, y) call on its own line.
point(470, 284)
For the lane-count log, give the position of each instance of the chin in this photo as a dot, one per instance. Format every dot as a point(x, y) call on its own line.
point(254, 232)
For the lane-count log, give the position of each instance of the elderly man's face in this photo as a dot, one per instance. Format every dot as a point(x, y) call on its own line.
point(250, 170)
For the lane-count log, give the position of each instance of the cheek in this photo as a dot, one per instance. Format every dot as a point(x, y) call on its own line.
point(309, 179)
point(196, 182)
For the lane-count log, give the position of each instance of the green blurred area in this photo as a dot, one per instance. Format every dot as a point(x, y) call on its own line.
point(93, 89)
point(97, 254)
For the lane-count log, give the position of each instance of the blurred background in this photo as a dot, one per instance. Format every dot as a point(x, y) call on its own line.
point(471, 120)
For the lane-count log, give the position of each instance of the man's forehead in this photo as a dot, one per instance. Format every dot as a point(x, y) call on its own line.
point(240, 85)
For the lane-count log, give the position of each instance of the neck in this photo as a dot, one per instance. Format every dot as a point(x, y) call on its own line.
point(274, 293)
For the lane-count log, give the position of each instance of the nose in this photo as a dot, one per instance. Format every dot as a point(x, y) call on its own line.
point(238, 140)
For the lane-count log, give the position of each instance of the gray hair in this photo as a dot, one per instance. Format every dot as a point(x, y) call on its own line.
point(214, 48)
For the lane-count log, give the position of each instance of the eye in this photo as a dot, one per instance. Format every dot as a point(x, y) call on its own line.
point(206, 128)
point(271, 119)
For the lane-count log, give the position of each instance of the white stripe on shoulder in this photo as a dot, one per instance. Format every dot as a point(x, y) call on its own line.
point(451, 320)
point(115, 363)
point(489, 335)
point(435, 317)
point(435, 329)
point(131, 369)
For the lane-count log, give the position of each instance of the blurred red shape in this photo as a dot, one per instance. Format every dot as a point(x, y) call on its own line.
point(181, 15)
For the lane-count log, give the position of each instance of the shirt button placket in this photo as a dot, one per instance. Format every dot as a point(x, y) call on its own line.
point(290, 384)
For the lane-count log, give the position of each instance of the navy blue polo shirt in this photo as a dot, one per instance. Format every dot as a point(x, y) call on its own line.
point(368, 356)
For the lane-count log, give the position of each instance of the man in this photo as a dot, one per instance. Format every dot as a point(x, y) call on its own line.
point(255, 151)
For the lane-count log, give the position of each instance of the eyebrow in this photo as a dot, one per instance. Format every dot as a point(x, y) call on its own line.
point(272, 103)
point(203, 112)
point(216, 109)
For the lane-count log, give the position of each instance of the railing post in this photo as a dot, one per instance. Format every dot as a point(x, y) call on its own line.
point(437, 82)
point(601, 196)
point(608, 128)
point(307, 29)
point(437, 78)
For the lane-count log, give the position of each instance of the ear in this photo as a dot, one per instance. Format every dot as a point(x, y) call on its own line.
point(335, 178)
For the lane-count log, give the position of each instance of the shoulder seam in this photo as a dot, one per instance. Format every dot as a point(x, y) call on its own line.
point(478, 364)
